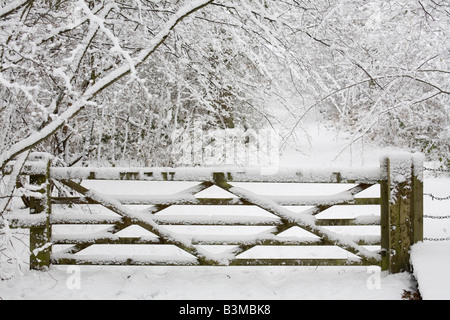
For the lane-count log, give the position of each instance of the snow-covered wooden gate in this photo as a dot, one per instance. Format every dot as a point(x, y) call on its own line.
point(399, 178)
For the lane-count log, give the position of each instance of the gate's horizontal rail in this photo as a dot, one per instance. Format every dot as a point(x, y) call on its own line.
point(357, 221)
point(339, 199)
point(64, 259)
point(271, 242)
point(268, 240)
point(39, 220)
point(29, 221)
point(298, 262)
point(115, 240)
point(235, 174)
point(217, 221)
point(91, 219)
point(101, 239)
point(227, 221)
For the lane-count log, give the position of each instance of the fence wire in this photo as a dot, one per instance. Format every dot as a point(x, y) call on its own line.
point(436, 218)
point(437, 239)
point(433, 197)
point(436, 170)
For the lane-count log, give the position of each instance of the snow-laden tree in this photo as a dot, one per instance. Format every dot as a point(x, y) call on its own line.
point(381, 70)
point(103, 80)
point(57, 56)
point(60, 58)
point(211, 71)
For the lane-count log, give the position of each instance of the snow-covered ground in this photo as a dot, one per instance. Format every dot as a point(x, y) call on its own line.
point(187, 283)
point(431, 259)
point(432, 269)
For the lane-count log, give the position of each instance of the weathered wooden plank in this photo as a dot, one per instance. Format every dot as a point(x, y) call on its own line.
point(248, 244)
point(71, 200)
point(367, 201)
point(191, 200)
point(70, 259)
point(102, 239)
point(40, 243)
point(90, 240)
point(192, 221)
point(236, 174)
point(299, 262)
point(375, 221)
point(385, 225)
point(27, 221)
point(147, 261)
point(401, 210)
point(400, 229)
point(83, 219)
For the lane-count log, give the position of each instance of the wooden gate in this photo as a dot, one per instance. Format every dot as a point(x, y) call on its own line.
point(399, 178)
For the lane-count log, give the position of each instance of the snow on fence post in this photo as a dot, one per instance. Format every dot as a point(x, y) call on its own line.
point(40, 236)
point(401, 209)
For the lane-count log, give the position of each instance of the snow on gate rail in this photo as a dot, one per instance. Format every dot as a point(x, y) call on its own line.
point(399, 177)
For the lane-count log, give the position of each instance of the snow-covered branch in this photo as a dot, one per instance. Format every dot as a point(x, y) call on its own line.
point(100, 85)
point(235, 64)
point(13, 6)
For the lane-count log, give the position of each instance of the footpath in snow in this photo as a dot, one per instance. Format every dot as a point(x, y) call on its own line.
point(207, 283)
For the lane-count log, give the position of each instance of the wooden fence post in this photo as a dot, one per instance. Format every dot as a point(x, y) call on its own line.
point(417, 196)
point(40, 236)
point(401, 210)
point(384, 221)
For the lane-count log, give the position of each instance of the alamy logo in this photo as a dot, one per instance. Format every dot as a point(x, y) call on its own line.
point(229, 147)
point(374, 279)
point(73, 282)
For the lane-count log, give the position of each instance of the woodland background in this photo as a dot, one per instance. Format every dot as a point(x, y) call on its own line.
point(117, 82)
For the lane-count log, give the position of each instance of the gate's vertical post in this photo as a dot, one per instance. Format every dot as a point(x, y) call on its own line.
point(401, 210)
point(385, 196)
point(40, 236)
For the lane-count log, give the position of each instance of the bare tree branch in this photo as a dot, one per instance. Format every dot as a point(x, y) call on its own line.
point(13, 6)
point(102, 84)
